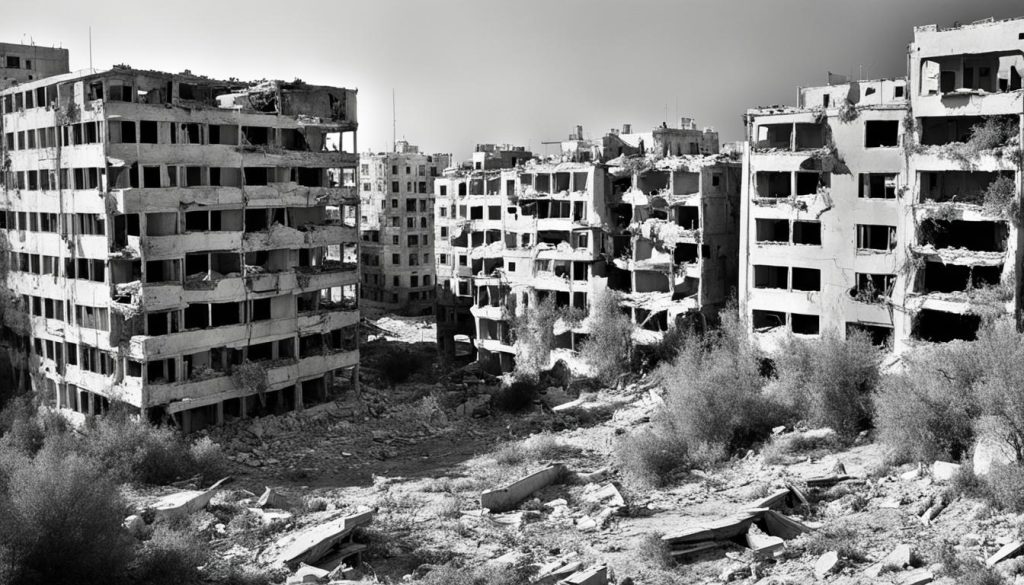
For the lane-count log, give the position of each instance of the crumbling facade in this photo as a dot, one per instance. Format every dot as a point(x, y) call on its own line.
point(890, 206)
point(963, 156)
point(397, 228)
point(822, 245)
point(636, 213)
point(185, 246)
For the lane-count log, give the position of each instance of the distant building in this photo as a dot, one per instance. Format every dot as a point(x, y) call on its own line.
point(396, 227)
point(625, 213)
point(24, 63)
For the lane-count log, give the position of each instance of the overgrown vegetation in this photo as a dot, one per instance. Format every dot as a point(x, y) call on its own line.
point(534, 336)
point(608, 349)
point(828, 382)
point(61, 509)
point(927, 411)
point(995, 132)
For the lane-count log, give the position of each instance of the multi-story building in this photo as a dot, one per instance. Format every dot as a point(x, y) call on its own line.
point(397, 228)
point(963, 177)
point(24, 63)
point(890, 206)
point(636, 213)
point(822, 243)
point(182, 245)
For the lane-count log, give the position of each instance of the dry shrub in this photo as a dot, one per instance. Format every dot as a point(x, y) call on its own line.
point(829, 381)
point(608, 348)
point(516, 397)
point(61, 520)
point(928, 411)
point(1004, 486)
point(169, 557)
point(781, 449)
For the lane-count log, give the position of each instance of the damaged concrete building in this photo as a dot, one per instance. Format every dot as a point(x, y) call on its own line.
point(654, 215)
point(821, 238)
point(185, 246)
point(963, 177)
point(890, 206)
point(397, 228)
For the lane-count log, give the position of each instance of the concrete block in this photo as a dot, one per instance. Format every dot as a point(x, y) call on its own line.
point(501, 499)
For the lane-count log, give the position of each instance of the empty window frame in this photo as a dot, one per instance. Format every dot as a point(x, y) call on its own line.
point(881, 133)
point(877, 186)
point(876, 237)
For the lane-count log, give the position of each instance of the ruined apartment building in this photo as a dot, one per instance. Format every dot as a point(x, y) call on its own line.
point(870, 206)
point(646, 214)
point(822, 244)
point(397, 228)
point(182, 245)
point(24, 63)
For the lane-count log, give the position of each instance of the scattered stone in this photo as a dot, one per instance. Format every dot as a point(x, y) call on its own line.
point(135, 526)
point(944, 471)
point(1008, 551)
point(918, 577)
point(826, 564)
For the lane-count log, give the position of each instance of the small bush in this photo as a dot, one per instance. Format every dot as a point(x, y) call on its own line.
point(648, 459)
point(516, 397)
point(1000, 351)
point(608, 348)
point(654, 551)
point(135, 451)
point(781, 449)
point(208, 459)
point(841, 539)
point(450, 574)
point(963, 569)
point(928, 411)
point(1005, 487)
point(829, 381)
point(61, 522)
point(169, 557)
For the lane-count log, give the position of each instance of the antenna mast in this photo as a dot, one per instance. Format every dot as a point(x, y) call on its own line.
point(394, 123)
point(90, 47)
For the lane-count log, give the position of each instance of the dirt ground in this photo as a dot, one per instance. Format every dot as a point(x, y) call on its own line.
point(420, 457)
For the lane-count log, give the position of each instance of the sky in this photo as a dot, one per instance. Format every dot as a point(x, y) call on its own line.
point(523, 72)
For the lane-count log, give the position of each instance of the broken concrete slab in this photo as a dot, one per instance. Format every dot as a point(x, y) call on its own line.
point(776, 498)
point(271, 517)
point(307, 574)
point(607, 494)
point(826, 480)
point(272, 498)
point(944, 470)
point(184, 503)
point(724, 529)
point(501, 499)
point(1008, 551)
point(313, 542)
point(687, 550)
point(826, 564)
point(899, 558)
point(594, 476)
point(764, 546)
point(594, 576)
point(776, 524)
point(569, 405)
point(918, 577)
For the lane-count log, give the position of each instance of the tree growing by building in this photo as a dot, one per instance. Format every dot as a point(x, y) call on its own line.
point(534, 336)
point(609, 348)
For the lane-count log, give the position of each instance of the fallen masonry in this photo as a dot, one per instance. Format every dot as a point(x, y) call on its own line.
point(502, 499)
point(314, 542)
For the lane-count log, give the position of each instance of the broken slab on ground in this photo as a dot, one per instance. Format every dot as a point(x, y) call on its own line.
point(314, 542)
point(501, 499)
point(184, 503)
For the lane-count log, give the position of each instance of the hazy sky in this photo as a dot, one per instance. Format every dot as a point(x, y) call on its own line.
point(517, 71)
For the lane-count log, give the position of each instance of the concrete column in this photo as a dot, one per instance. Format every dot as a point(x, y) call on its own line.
point(92, 403)
point(355, 378)
point(243, 407)
point(220, 413)
point(186, 421)
point(792, 136)
point(298, 396)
